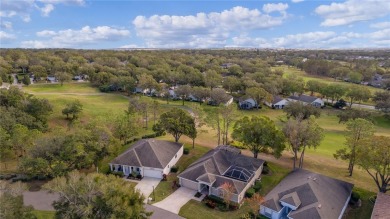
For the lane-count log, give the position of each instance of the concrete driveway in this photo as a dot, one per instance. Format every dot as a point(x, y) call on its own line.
point(176, 200)
point(145, 186)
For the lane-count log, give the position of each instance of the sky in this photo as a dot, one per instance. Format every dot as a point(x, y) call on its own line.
point(103, 24)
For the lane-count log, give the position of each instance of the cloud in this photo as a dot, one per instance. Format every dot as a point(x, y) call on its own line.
point(47, 9)
point(76, 38)
point(68, 2)
point(381, 25)
point(296, 1)
point(268, 8)
point(202, 30)
point(246, 41)
point(130, 46)
point(23, 8)
point(380, 35)
point(352, 11)
point(5, 24)
point(6, 37)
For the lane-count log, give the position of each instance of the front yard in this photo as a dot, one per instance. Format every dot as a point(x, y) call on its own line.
point(165, 188)
point(194, 209)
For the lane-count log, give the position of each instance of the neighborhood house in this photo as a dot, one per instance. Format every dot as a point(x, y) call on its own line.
point(223, 164)
point(247, 104)
point(148, 157)
point(381, 207)
point(303, 194)
point(277, 103)
point(314, 101)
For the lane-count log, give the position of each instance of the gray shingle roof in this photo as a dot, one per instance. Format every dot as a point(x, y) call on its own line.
point(292, 199)
point(216, 162)
point(308, 213)
point(276, 99)
point(149, 153)
point(304, 98)
point(320, 196)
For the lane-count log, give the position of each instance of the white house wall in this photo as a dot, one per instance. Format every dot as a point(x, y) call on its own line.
point(174, 160)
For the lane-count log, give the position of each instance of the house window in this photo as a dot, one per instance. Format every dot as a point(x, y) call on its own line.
point(176, 156)
point(132, 168)
point(137, 168)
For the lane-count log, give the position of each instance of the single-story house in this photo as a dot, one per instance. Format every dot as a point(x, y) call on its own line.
point(148, 157)
point(248, 103)
point(223, 164)
point(277, 103)
point(303, 194)
point(381, 207)
point(305, 99)
point(173, 95)
point(51, 79)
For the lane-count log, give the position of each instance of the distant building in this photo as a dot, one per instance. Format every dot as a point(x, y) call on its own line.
point(305, 99)
point(247, 103)
point(277, 103)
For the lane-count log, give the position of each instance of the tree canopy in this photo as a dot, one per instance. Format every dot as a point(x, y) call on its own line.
point(96, 196)
point(259, 134)
point(177, 122)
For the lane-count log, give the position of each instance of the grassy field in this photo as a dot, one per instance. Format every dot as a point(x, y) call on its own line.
point(44, 214)
point(57, 88)
point(196, 210)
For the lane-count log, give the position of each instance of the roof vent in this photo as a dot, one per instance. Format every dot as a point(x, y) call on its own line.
point(314, 179)
point(319, 206)
point(309, 177)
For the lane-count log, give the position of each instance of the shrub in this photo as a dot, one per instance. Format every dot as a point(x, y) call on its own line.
point(211, 204)
point(198, 194)
point(257, 186)
point(119, 174)
point(215, 199)
point(265, 170)
point(249, 193)
point(355, 196)
point(186, 151)
point(153, 135)
point(139, 176)
point(174, 169)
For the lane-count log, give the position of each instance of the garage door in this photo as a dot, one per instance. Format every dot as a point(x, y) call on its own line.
point(153, 173)
point(189, 184)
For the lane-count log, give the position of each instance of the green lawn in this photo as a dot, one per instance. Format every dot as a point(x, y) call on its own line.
point(44, 214)
point(196, 210)
point(57, 88)
point(164, 188)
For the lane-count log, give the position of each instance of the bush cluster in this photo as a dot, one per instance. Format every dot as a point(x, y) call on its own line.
point(174, 169)
point(250, 192)
point(186, 151)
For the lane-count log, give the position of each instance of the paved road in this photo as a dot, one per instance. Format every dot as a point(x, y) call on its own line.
point(356, 105)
